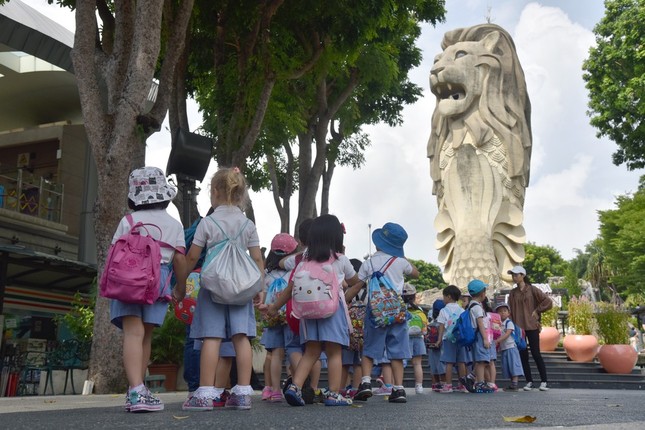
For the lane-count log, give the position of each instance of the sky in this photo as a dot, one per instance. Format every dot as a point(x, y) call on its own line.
point(572, 176)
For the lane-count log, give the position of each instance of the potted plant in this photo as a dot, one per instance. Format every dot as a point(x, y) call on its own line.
point(167, 351)
point(549, 335)
point(581, 345)
point(616, 355)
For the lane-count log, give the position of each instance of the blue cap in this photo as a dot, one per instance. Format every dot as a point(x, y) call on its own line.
point(390, 239)
point(438, 305)
point(476, 286)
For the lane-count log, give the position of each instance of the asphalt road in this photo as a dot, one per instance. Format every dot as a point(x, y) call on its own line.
point(588, 409)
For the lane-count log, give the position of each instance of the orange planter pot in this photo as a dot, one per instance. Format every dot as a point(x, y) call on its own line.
point(581, 348)
point(169, 371)
point(549, 338)
point(617, 358)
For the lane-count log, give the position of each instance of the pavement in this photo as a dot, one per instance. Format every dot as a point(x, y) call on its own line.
point(557, 408)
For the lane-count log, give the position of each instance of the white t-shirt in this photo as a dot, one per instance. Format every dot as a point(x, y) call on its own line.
point(172, 232)
point(394, 273)
point(448, 317)
point(273, 275)
point(477, 311)
point(509, 342)
point(230, 219)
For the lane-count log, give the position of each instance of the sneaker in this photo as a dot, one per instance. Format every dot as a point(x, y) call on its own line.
point(320, 395)
point(128, 403)
point(461, 388)
point(266, 393)
point(398, 396)
point(194, 403)
point(512, 388)
point(468, 382)
point(437, 387)
point(335, 399)
point(144, 402)
point(276, 397)
point(308, 395)
point(482, 387)
point(543, 387)
point(220, 402)
point(241, 402)
point(364, 392)
point(351, 393)
point(446, 388)
point(418, 389)
point(383, 391)
point(493, 386)
point(287, 382)
point(293, 395)
point(528, 386)
point(380, 381)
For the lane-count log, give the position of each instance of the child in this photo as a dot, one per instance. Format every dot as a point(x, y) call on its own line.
point(481, 347)
point(511, 362)
point(148, 197)
point(451, 353)
point(437, 368)
point(392, 340)
point(274, 335)
point(491, 370)
point(352, 355)
point(214, 322)
point(417, 328)
point(325, 242)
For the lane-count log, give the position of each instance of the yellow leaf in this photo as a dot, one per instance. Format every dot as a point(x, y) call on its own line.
point(522, 419)
point(179, 418)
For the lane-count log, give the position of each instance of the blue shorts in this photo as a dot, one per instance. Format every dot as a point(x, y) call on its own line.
point(493, 351)
point(451, 353)
point(351, 358)
point(480, 354)
point(333, 329)
point(511, 363)
point(391, 341)
point(275, 337)
point(292, 344)
point(150, 314)
point(417, 346)
point(436, 366)
point(215, 320)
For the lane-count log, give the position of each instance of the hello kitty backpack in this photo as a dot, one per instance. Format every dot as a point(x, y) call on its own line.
point(315, 293)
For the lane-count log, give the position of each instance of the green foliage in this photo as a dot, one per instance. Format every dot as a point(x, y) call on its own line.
point(80, 319)
point(542, 262)
point(168, 341)
point(612, 322)
point(550, 317)
point(571, 283)
point(622, 235)
point(579, 263)
point(580, 318)
point(429, 276)
point(615, 77)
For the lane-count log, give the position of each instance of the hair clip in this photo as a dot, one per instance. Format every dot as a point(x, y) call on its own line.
point(236, 169)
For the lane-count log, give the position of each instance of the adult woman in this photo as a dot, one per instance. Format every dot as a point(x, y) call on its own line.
point(527, 303)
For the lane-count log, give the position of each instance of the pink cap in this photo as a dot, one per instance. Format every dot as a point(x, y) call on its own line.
point(284, 243)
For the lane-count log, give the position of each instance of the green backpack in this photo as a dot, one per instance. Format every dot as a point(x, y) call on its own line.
point(418, 322)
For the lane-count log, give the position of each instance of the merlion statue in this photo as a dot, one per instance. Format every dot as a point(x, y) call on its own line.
point(479, 151)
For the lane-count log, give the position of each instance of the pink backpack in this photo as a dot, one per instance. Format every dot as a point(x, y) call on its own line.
point(316, 290)
point(132, 272)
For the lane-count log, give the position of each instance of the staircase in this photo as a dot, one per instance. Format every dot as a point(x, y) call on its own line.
point(561, 372)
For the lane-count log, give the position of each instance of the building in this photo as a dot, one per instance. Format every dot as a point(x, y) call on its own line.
point(47, 187)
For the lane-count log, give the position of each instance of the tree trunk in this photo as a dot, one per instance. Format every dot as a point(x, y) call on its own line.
point(114, 80)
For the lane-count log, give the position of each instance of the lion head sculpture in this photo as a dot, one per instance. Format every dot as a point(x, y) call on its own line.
point(478, 79)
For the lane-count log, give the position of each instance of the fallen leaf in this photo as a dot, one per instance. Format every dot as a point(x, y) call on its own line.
point(614, 406)
point(50, 401)
point(354, 405)
point(522, 419)
point(180, 418)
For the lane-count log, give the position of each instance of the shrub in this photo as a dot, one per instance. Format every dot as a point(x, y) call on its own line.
point(550, 317)
point(581, 318)
point(613, 327)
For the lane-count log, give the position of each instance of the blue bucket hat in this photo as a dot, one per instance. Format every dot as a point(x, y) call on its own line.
point(390, 239)
point(438, 305)
point(476, 286)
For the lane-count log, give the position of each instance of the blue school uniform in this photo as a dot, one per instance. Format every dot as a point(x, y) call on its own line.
point(275, 337)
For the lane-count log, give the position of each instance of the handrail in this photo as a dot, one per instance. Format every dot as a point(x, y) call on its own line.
point(40, 198)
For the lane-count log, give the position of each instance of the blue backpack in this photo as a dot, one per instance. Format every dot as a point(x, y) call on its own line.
point(463, 332)
point(518, 336)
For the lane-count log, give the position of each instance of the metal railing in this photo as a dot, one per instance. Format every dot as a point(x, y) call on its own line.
point(33, 196)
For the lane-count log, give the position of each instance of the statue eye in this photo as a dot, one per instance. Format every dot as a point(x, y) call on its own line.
point(318, 288)
point(460, 54)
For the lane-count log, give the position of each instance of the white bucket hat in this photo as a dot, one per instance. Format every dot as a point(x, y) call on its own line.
point(148, 185)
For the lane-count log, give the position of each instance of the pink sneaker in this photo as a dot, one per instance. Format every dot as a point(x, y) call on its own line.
point(267, 392)
point(493, 386)
point(276, 397)
point(383, 391)
point(447, 388)
point(461, 389)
